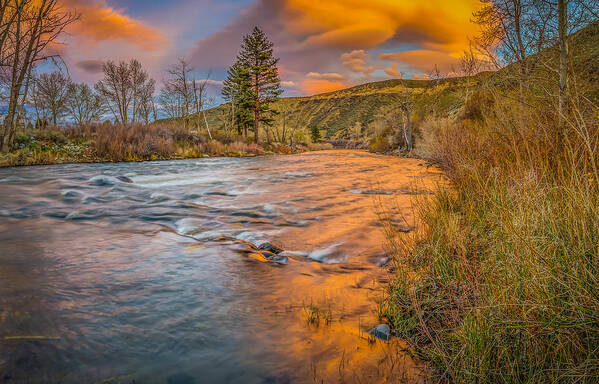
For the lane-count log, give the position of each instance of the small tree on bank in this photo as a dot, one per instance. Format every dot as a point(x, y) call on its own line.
point(315, 134)
point(257, 58)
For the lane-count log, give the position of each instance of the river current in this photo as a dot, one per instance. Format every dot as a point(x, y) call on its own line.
point(131, 272)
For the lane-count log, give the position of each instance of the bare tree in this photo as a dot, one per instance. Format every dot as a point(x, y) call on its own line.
point(142, 89)
point(513, 31)
point(83, 105)
point(28, 28)
point(469, 64)
point(123, 86)
point(116, 89)
point(178, 86)
point(51, 92)
point(145, 101)
point(171, 103)
point(404, 100)
point(200, 100)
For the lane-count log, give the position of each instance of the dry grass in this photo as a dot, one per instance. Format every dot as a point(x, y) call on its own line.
point(502, 283)
point(113, 142)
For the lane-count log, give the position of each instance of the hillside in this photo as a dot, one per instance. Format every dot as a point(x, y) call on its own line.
point(341, 110)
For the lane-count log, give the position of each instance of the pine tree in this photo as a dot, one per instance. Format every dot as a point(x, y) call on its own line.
point(238, 91)
point(315, 134)
point(257, 57)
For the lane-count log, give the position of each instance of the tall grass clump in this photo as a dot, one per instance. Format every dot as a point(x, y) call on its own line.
point(501, 283)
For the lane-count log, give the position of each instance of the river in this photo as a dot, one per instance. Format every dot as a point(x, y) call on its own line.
point(103, 280)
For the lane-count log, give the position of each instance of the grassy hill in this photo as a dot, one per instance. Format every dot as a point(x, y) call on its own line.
point(341, 110)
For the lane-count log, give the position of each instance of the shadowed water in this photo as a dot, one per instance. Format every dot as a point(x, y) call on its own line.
point(104, 280)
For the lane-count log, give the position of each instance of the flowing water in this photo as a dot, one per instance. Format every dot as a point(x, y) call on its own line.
point(105, 280)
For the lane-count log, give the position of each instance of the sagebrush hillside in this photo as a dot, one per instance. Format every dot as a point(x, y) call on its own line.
point(341, 110)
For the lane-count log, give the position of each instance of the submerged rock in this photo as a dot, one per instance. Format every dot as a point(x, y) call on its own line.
point(266, 252)
point(381, 331)
point(279, 259)
point(270, 248)
point(124, 179)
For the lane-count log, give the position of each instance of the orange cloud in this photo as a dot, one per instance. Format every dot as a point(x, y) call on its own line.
point(357, 61)
point(99, 22)
point(423, 60)
point(325, 76)
point(441, 29)
point(366, 24)
point(393, 70)
point(316, 86)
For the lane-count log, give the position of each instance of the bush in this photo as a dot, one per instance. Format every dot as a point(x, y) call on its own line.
point(52, 136)
point(478, 105)
point(300, 137)
point(380, 144)
point(320, 146)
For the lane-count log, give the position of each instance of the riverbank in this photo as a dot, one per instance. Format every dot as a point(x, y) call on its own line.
point(113, 143)
point(501, 283)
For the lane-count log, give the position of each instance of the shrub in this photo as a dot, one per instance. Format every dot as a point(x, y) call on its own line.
point(380, 144)
point(320, 146)
point(52, 136)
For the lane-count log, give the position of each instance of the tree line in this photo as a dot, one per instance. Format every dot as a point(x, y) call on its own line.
point(126, 93)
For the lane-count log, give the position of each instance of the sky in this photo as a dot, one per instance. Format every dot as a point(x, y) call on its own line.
point(323, 45)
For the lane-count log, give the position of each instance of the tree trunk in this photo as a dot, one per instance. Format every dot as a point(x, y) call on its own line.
point(9, 122)
point(563, 57)
point(256, 124)
point(207, 127)
point(284, 138)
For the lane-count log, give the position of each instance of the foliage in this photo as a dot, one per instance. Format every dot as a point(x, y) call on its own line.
point(315, 134)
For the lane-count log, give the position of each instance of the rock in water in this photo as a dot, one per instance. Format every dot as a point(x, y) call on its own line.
point(381, 331)
point(279, 259)
point(273, 257)
point(270, 248)
point(124, 179)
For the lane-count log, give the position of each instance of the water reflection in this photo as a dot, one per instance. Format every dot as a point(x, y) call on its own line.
point(102, 280)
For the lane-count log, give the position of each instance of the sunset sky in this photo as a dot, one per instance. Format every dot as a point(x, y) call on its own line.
point(323, 45)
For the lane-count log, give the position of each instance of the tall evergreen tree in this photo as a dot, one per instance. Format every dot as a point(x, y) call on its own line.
point(257, 57)
point(238, 91)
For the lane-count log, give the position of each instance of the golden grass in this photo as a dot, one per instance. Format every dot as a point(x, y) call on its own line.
point(501, 285)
